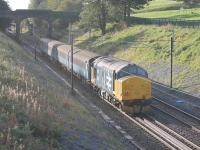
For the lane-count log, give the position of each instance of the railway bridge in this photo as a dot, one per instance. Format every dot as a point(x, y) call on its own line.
point(49, 16)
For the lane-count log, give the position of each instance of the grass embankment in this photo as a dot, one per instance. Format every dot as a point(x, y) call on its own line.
point(37, 110)
point(149, 46)
point(28, 119)
point(169, 9)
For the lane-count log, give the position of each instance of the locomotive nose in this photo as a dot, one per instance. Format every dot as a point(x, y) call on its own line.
point(133, 88)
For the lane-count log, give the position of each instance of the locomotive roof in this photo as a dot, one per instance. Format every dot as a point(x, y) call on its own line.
point(113, 63)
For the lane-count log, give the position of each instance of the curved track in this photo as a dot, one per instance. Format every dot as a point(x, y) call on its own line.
point(159, 131)
point(162, 133)
point(130, 127)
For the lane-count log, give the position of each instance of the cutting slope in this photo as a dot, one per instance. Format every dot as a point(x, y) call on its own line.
point(149, 46)
point(38, 111)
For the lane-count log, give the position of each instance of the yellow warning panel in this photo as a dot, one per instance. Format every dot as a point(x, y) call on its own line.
point(132, 88)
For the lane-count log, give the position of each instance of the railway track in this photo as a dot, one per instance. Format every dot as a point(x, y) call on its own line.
point(182, 100)
point(187, 110)
point(175, 140)
point(186, 118)
point(193, 101)
point(178, 119)
point(176, 92)
point(86, 94)
point(159, 131)
point(177, 125)
point(182, 107)
point(190, 101)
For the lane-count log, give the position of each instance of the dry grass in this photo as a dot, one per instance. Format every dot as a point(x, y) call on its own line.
point(28, 118)
point(26, 113)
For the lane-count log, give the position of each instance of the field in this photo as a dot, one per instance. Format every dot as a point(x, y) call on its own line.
point(37, 110)
point(169, 9)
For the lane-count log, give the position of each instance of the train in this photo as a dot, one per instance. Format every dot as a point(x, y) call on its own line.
point(123, 84)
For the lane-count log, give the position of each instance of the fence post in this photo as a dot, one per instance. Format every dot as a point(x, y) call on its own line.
point(35, 42)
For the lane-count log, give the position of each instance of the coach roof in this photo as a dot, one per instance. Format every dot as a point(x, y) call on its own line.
point(78, 53)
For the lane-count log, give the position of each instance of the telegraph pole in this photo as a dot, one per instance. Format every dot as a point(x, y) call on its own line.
point(171, 57)
point(35, 52)
point(35, 40)
point(69, 34)
point(72, 69)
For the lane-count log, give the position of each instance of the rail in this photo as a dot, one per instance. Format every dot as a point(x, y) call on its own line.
point(173, 89)
point(156, 131)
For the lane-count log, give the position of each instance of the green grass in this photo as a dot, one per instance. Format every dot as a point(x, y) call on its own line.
point(28, 114)
point(169, 9)
point(148, 46)
point(149, 43)
point(158, 5)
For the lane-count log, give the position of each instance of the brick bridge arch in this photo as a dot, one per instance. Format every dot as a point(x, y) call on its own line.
point(49, 16)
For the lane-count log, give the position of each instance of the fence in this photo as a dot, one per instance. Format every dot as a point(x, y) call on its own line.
point(163, 21)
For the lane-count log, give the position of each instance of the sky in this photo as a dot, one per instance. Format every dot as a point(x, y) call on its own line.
point(18, 4)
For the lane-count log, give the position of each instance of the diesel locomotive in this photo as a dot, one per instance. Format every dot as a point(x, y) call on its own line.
point(124, 84)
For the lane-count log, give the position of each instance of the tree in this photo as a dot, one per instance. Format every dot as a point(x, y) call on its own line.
point(127, 5)
point(96, 14)
point(57, 5)
point(102, 15)
point(70, 5)
point(38, 4)
point(93, 13)
point(4, 22)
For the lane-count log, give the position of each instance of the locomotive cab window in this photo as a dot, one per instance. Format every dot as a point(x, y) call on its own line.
point(122, 73)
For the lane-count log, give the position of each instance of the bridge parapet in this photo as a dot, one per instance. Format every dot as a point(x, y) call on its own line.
point(37, 13)
point(47, 15)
